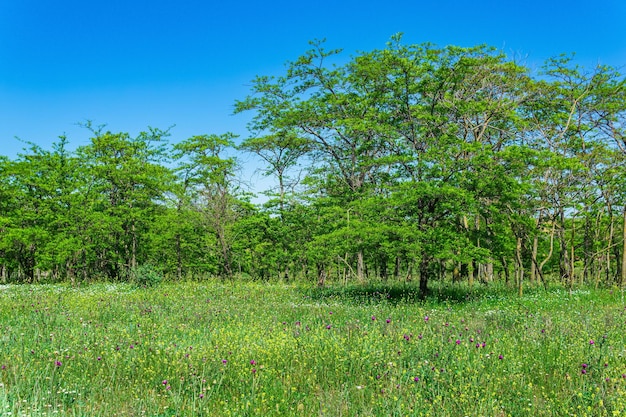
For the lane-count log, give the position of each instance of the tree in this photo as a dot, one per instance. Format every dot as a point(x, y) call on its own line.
point(209, 177)
point(125, 183)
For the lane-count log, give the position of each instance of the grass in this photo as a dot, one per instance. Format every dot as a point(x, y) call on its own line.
point(251, 349)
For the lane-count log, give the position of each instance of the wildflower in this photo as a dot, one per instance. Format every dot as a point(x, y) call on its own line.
point(500, 357)
point(591, 342)
point(373, 318)
point(426, 318)
point(419, 336)
point(388, 321)
point(458, 341)
point(99, 358)
point(584, 365)
point(328, 326)
point(4, 367)
point(583, 371)
point(164, 382)
point(252, 362)
point(224, 361)
point(58, 363)
point(416, 379)
point(253, 370)
point(201, 396)
point(407, 337)
point(132, 346)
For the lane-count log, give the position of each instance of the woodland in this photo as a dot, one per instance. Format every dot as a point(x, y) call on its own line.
point(409, 163)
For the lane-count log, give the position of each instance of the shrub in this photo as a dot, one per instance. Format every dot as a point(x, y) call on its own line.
point(146, 276)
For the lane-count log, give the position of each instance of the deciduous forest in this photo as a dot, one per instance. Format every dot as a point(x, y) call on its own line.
point(414, 162)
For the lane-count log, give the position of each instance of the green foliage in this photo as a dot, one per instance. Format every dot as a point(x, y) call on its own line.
point(146, 276)
point(408, 162)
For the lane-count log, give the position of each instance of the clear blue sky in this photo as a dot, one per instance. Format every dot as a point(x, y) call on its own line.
point(133, 64)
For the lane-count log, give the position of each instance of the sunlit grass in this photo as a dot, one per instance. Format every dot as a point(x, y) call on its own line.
point(214, 348)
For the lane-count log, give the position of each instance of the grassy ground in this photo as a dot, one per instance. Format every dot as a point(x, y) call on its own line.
point(244, 349)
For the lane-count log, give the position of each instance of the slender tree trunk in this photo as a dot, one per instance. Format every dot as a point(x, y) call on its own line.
point(623, 280)
point(396, 269)
point(608, 249)
point(489, 272)
point(549, 255)
point(133, 259)
point(424, 266)
point(571, 258)
point(360, 266)
point(533, 264)
point(564, 263)
point(519, 266)
point(179, 257)
point(505, 268)
point(321, 275)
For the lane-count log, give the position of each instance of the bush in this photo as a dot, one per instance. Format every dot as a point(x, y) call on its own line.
point(146, 276)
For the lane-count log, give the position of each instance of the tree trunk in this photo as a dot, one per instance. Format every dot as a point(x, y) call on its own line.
point(321, 275)
point(396, 268)
point(133, 259)
point(547, 258)
point(505, 268)
point(179, 258)
point(359, 266)
point(623, 281)
point(424, 266)
point(519, 266)
point(533, 264)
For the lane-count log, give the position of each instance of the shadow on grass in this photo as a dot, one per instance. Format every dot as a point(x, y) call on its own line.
point(408, 292)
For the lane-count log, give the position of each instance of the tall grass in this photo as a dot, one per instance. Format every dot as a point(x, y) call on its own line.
point(249, 349)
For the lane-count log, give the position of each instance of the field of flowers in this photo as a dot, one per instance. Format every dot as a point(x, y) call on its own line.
point(252, 349)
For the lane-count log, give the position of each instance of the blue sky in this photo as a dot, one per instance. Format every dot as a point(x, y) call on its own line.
point(133, 64)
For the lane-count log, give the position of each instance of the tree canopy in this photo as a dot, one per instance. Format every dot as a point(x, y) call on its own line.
point(410, 162)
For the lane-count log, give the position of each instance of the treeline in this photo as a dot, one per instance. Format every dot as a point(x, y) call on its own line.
point(411, 162)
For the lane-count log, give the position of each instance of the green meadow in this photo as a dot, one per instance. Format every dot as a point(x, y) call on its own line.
point(255, 349)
